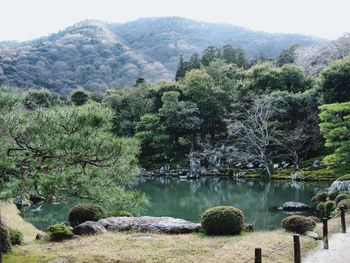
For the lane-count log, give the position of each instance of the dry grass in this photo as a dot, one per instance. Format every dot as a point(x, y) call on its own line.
point(11, 215)
point(125, 247)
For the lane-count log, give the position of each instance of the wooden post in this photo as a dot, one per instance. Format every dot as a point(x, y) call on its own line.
point(258, 255)
point(325, 233)
point(342, 218)
point(297, 256)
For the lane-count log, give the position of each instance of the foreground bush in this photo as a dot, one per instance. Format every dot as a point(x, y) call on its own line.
point(16, 237)
point(5, 238)
point(85, 212)
point(60, 232)
point(342, 197)
point(222, 220)
point(298, 224)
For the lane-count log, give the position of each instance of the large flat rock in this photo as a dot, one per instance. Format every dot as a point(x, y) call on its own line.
point(294, 206)
point(167, 225)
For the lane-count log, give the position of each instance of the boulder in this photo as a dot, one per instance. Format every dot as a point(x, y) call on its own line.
point(168, 225)
point(89, 228)
point(294, 206)
point(20, 202)
point(312, 234)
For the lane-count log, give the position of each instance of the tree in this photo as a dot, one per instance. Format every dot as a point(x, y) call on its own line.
point(210, 54)
point(234, 55)
point(194, 62)
point(287, 56)
point(151, 133)
point(335, 85)
point(181, 118)
point(40, 98)
point(294, 79)
point(181, 69)
point(140, 81)
point(79, 97)
point(253, 133)
point(68, 151)
point(335, 127)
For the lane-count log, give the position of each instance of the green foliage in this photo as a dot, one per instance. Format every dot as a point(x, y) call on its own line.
point(329, 206)
point(122, 213)
point(5, 238)
point(151, 132)
point(222, 220)
point(344, 203)
point(85, 212)
point(16, 237)
point(287, 56)
point(60, 232)
point(298, 224)
point(79, 97)
point(340, 197)
point(39, 98)
point(335, 126)
point(345, 177)
point(322, 196)
point(336, 82)
point(68, 151)
point(320, 207)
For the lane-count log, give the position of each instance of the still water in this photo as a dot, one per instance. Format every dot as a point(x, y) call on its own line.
point(188, 199)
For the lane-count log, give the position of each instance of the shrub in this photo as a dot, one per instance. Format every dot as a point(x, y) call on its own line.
point(298, 224)
point(85, 212)
point(60, 232)
point(122, 213)
point(16, 237)
point(333, 196)
point(5, 238)
point(320, 207)
point(222, 220)
point(322, 197)
point(341, 197)
point(345, 203)
point(329, 206)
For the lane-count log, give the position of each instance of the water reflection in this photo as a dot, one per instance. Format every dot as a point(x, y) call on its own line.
point(189, 198)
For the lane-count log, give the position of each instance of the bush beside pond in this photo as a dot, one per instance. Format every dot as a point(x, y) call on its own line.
point(16, 237)
point(85, 212)
point(298, 224)
point(60, 232)
point(222, 220)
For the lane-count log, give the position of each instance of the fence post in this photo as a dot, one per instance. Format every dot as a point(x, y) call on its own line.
point(258, 255)
point(325, 233)
point(342, 218)
point(297, 256)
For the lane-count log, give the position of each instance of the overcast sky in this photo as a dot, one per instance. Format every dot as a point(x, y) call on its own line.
point(28, 19)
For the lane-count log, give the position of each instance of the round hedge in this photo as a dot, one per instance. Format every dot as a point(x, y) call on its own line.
point(329, 206)
point(16, 237)
point(60, 232)
point(222, 220)
point(333, 196)
point(298, 224)
point(85, 212)
point(320, 207)
point(322, 197)
point(5, 238)
point(344, 203)
point(342, 197)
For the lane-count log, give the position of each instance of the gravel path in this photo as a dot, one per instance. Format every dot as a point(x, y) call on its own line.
point(338, 252)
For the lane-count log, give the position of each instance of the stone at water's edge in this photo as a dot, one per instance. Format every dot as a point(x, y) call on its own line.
point(167, 225)
point(312, 234)
point(339, 186)
point(294, 206)
point(89, 228)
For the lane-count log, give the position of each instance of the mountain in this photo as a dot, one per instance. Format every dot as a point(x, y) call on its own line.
point(99, 55)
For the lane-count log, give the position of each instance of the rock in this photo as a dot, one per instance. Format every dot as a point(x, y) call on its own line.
point(248, 228)
point(312, 234)
point(168, 225)
point(39, 237)
point(316, 165)
point(294, 206)
point(89, 228)
point(145, 238)
point(19, 202)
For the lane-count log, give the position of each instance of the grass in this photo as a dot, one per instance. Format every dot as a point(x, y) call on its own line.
point(125, 247)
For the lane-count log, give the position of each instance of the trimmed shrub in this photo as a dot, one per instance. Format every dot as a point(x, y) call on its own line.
point(320, 207)
point(333, 196)
point(16, 237)
point(298, 224)
point(329, 206)
point(345, 203)
point(322, 197)
point(342, 197)
point(5, 238)
point(122, 213)
point(85, 212)
point(60, 232)
point(222, 220)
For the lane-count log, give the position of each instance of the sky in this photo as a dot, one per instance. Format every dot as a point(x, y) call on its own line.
point(29, 19)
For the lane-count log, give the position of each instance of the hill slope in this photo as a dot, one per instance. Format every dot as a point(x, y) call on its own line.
point(97, 55)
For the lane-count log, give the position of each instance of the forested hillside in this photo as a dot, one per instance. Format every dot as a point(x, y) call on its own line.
point(96, 55)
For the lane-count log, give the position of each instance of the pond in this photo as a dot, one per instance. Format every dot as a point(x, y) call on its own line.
point(188, 199)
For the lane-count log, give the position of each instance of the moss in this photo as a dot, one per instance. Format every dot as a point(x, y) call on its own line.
point(222, 220)
point(60, 232)
point(298, 224)
point(344, 178)
point(85, 212)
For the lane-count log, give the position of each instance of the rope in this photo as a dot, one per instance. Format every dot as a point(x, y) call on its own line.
point(269, 253)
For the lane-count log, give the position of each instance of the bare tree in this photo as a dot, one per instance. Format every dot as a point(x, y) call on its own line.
point(254, 134)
